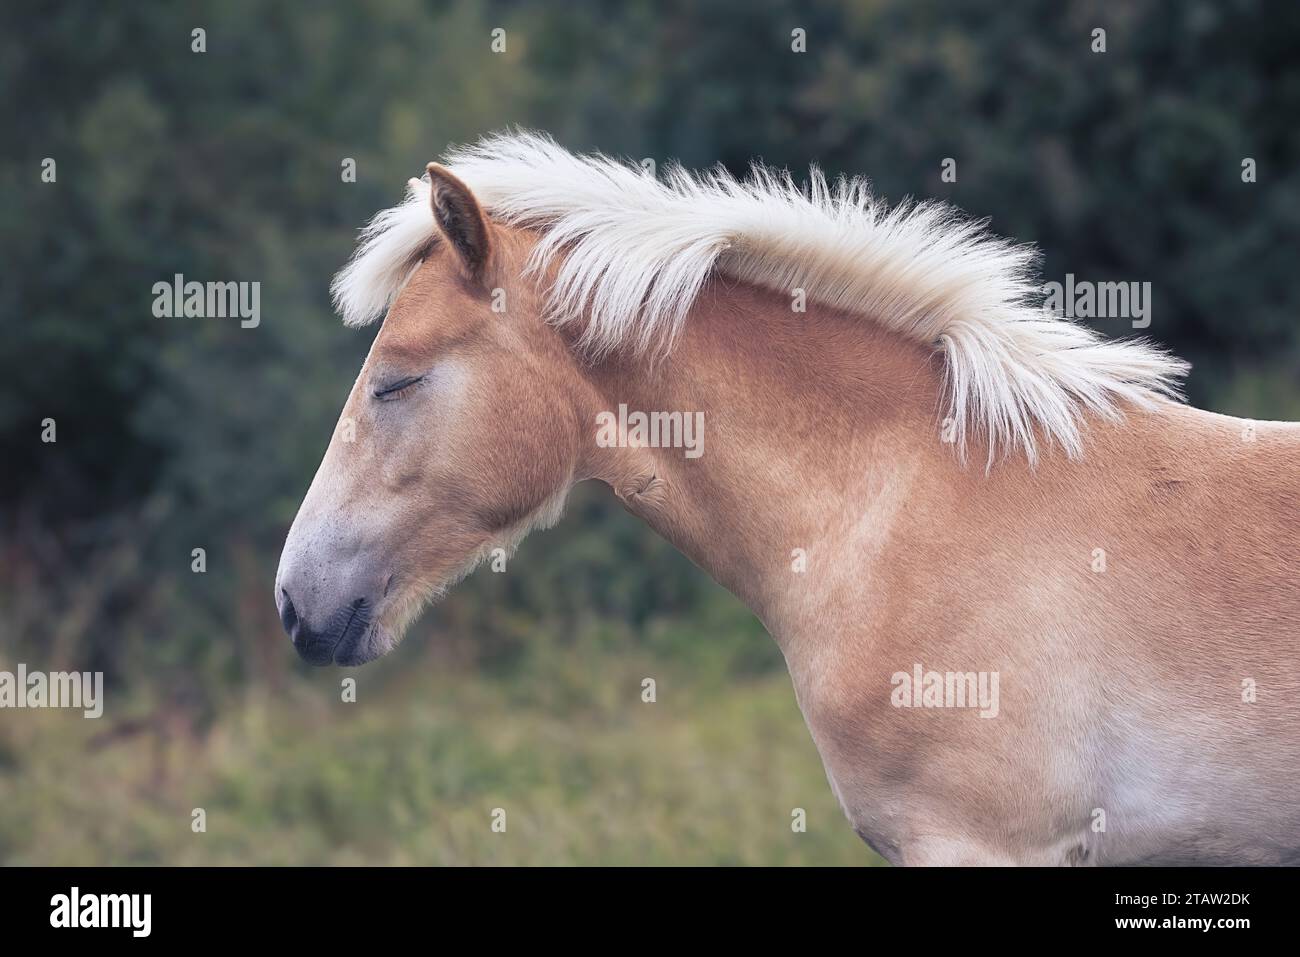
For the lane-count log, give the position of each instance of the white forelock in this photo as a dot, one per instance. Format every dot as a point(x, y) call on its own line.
point(636, 251)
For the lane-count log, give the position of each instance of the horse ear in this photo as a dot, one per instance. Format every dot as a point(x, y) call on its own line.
point(460, 218)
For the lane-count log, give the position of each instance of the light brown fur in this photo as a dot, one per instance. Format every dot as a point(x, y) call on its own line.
point(1121, 690)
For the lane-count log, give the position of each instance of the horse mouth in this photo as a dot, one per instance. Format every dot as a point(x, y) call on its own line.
point(359, 645)
point(363, 630)
point(354, 639)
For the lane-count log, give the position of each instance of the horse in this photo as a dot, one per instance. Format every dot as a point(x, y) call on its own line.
point(1035, 608)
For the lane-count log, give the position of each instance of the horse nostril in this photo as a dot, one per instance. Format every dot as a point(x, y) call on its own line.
point(288, 617)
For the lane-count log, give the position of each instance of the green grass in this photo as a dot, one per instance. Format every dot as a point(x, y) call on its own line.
point(409, 774)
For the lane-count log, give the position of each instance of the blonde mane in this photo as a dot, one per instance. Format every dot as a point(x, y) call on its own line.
point(637, 250)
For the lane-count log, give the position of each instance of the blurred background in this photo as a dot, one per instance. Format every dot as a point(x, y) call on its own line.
point(522, 690)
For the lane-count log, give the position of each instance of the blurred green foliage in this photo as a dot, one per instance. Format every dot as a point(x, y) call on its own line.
point(175, 434)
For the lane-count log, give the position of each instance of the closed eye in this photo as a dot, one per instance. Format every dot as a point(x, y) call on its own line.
point(395, 390)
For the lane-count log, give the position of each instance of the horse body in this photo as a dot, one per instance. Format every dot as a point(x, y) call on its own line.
point(1121, 690)
point(1079, 650)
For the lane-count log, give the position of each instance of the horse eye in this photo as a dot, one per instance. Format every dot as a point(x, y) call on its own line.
point(396, 390)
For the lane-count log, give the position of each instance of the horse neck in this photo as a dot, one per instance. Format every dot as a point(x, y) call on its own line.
point(815, 426)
